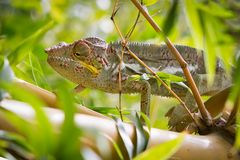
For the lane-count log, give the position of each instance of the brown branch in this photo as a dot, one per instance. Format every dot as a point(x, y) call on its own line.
point(205, 114)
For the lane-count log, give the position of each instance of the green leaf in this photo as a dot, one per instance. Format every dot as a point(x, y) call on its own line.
point(37, 72)
point(23, 48)
point(170, 77)
point(150, 2)
point(139, 77)
point(142, 137)
point(146, 120)
point(41, 135)
point(215, 9)
point(182, 85)
point(108, 110)
point(69, 131)
point(171, 18)
point(235, 95)
point(134, 78)
point(116, 147)
point(194, 22)
point(125, 138)
point(15, 145)
point(162, 151)
point(14, 138)
point(211, 47)
point(1, 62)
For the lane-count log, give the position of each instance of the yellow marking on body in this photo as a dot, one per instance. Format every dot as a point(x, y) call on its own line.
point(91, 68)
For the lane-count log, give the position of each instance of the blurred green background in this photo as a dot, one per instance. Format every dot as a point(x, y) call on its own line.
point(28, 27)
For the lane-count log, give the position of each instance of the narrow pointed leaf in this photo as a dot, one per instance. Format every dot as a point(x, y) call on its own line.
point(125, 138)
point(162, 151)
point(116, 147)
point(146, 120)
point(141, 135)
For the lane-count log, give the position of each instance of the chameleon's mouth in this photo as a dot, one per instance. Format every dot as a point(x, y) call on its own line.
point(56, 61)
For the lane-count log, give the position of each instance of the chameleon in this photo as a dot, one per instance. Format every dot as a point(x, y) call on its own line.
point(93, 63)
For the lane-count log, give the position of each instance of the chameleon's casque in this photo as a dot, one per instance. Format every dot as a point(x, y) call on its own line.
point(93, 63)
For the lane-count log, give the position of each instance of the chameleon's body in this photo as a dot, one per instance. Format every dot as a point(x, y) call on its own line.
point(93, 63)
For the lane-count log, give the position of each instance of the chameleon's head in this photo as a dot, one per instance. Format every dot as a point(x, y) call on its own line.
point(83, 59)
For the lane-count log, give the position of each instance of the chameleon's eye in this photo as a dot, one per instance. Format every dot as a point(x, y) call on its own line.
point(81, 50)
point(77, 54)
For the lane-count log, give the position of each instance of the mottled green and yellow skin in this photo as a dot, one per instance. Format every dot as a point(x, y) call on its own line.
point(93, 63)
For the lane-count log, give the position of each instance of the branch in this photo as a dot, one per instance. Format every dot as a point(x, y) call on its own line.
point(50, 98)
point(214, 146)
point(205, 114)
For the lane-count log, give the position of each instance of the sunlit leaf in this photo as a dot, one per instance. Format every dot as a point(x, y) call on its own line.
point(41, 137)
point(235, 96)
point(149, 2)
point(142, 137)
point(211, 48)
point(170, 77)
point(125, 138)
point(146, 120)
point(22, 49)
point(171, 18)
point(69, 131)
point(116, 147)
point(162, 151)
point(194, 22)
point(215, 9)
point(134, 78)
point(37, 72)
point(15, 150)
point(1, 62)
point(108, 110)
point(183, 85)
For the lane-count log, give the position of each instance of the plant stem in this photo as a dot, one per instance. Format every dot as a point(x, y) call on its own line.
point(205, 114)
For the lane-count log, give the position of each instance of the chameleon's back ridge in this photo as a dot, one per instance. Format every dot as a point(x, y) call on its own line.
point(160, 58)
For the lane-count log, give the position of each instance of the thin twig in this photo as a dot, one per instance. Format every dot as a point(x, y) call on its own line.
point(112, 18)
point(120, 84)
point(134, 25)
point(114, 11)
point(205, 114)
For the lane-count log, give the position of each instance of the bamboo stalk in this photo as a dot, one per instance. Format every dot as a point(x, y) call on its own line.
point(208, 147)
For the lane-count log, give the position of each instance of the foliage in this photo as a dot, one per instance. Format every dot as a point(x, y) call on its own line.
point(162, 151)
point(27, 28)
